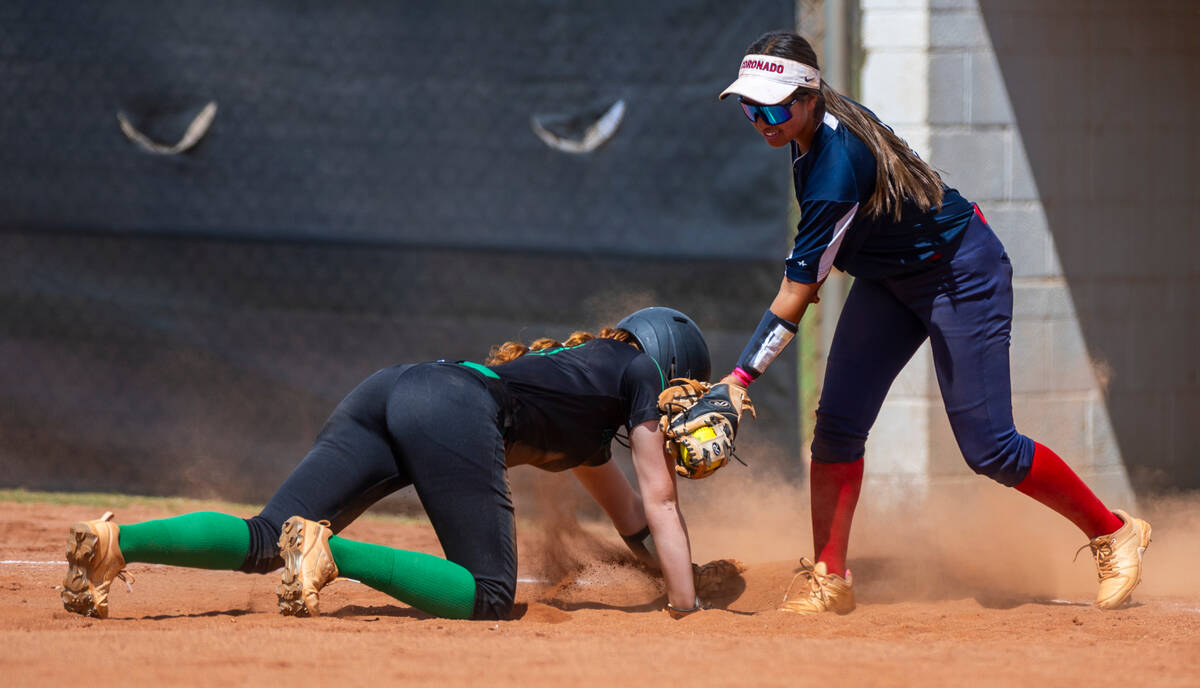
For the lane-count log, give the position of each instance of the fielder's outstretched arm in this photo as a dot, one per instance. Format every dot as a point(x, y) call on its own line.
point(775, 331)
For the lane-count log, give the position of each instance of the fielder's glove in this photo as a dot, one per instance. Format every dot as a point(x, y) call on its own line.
point(699, 422)
point(712, 579)
point(715, 578)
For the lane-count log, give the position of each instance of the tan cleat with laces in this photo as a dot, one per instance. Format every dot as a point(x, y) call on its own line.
point(93, 561)
point(815, 590)
point(307, 566)
point(1119, 560)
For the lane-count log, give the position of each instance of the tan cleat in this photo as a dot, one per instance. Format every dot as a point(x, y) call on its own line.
point(1119, 560)
point(307, 566)
point(93, 561)
point(815, 590)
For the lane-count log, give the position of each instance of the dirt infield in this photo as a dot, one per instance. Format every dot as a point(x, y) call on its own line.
point(931, 618)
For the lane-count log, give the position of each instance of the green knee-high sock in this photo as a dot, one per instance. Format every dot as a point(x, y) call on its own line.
point(429, 583)
point(201, 540)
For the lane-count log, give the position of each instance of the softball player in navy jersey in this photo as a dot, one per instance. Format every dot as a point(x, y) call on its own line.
point(926, 266)
point(452, 431)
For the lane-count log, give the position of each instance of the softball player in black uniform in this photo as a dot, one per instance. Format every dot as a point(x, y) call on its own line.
point(926, 266)
point(451, 430)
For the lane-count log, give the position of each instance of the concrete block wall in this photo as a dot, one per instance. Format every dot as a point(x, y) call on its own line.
point(895, 85)
point(930, 71)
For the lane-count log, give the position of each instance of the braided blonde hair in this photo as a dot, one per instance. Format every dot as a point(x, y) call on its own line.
point(510, 350)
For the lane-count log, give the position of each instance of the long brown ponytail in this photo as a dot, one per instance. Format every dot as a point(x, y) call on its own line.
point(503, 353)
point(899, 173)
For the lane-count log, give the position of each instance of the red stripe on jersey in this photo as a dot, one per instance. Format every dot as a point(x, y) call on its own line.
point(979, 213)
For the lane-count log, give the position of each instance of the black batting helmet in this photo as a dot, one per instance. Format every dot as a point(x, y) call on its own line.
point(672, 339)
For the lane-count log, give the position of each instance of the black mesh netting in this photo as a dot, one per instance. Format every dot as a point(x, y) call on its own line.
point(370, 191)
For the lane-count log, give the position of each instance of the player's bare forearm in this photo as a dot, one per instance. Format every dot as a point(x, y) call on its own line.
point(656, 482)
point(612, 491)
point(674, 553)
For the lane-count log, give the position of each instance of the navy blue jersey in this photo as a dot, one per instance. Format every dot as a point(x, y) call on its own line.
point(833, 181)
point(567, 403)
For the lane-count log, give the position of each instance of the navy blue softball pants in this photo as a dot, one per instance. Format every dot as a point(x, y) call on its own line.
point(435, 426)
point(964, 306)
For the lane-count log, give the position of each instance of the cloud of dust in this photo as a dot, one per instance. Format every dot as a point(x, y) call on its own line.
point(1174, 554)
point(949, 540)
point(965, 538)
point(976, 538)
point(751, 514)
point(562, 546)
point(1103, 373)
point(606, 309)
point(952, 539)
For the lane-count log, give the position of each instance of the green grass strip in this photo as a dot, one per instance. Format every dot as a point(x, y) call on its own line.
point(112, 500)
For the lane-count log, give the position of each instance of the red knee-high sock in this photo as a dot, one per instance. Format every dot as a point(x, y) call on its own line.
point(834, 489)
point(1053, 483)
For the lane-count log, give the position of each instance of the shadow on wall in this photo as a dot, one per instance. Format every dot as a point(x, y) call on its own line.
point(1105, 100)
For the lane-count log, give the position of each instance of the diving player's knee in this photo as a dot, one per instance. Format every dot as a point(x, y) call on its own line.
point(493, 599)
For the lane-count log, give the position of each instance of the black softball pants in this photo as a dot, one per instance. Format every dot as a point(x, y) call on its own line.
point(435, 426)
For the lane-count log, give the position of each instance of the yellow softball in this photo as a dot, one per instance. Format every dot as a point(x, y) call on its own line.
point(702, 434)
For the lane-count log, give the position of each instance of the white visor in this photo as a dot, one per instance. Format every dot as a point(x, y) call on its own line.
point(767, 80)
